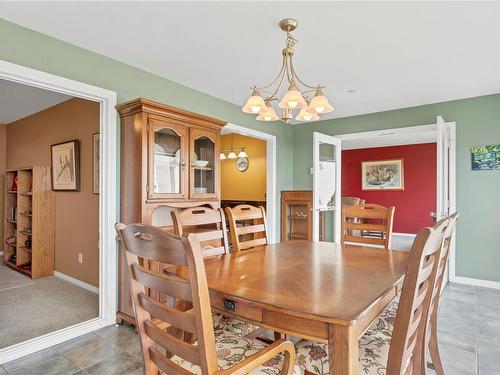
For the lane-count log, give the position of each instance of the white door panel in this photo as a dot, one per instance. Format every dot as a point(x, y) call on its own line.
point(326, 185)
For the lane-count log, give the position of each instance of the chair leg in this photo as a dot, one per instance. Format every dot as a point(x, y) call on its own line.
point(434, 350)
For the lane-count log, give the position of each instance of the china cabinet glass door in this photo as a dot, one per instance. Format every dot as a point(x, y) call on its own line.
point(167, 161)
point(298, 216)
point(204, 164)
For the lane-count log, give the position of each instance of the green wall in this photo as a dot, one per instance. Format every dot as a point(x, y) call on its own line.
point(39, 51)
point(478, 198)
point(478, 193)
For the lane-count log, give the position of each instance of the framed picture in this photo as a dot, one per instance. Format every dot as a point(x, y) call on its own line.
point(65, 159)
point(95, 162)
point(485, 158)
point(382, 175)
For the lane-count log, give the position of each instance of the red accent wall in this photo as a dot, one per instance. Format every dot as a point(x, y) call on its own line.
point(418, 199)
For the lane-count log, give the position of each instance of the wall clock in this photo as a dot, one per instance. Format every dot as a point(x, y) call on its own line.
point(242, 164)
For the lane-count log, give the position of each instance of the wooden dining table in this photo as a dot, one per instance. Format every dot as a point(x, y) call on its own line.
point(320, 291)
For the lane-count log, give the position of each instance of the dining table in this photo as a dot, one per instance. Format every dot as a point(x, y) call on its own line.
point(321, 291)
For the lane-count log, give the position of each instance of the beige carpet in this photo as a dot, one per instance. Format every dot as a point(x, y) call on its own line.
point(45, 306)
point(11, 279)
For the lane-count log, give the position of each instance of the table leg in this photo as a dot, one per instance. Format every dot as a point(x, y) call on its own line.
point(343, 349)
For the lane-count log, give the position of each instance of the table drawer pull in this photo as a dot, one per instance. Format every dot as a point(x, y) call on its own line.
point(229, 305)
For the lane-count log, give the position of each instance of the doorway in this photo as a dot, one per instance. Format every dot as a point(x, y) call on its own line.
point(107, 210)
point(270, 175)
point(436, 140)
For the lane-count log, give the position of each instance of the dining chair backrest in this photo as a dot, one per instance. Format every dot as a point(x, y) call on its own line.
point(440, 274)
point(207, 224)
point(154, 244)
point(351, 201)
point(405, 353)
point(237, 217)
point(367, 224)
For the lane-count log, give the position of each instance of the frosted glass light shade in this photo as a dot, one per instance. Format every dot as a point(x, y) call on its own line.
point(232, 155)
point(222, 156)
point(268, 114)
point(255, 104)
point(242, 154)
point(304, 115)
point(293, 99)
point(319, 103)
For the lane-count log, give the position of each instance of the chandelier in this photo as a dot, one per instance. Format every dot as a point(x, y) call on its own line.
point(308, 100)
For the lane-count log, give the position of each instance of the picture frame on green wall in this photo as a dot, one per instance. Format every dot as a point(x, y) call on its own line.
point(485, 158)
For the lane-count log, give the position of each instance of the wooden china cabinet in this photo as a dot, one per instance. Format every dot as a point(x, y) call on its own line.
point(170, 161)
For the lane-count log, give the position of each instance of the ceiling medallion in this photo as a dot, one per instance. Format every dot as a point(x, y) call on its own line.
point(308, 100)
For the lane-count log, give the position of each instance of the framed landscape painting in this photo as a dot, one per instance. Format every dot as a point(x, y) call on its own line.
point(66, 166)
point(382, 175)
point(485, 158)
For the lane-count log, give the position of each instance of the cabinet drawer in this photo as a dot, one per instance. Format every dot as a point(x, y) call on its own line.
point(243, 309)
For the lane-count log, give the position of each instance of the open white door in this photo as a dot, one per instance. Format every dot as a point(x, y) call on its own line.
point(326, 188)
point(446, 179)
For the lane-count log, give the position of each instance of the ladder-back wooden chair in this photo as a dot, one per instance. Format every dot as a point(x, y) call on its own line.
point(367, 224)
point(164, 352)
point(394, 349)
point(240, 214)
point(209, 227)
point(431, 333)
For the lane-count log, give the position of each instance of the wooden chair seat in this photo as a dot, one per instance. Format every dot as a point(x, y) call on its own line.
point(373, 347)
point(232, 349)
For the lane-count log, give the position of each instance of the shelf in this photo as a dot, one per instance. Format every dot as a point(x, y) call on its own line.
point(12, 192)
point(298, 235)
point(28, 194)
point(26, 233)
point(25, 214)
point(298, 217)
point(203, 169)
point(17, 268)
point(11, 221)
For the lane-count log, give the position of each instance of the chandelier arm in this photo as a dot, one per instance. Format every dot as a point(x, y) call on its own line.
point(289, 70)
point(273, 95)
point(298, 78)
point(276, 79)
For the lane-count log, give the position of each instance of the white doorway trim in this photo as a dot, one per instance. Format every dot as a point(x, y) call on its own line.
point(271, 198)
point(407, 136)
point(108, 280)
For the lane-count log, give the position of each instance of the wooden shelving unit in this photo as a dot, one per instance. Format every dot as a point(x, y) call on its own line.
point(296, 216)
point(29, 217)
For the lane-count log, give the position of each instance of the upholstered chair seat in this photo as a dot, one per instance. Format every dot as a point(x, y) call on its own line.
point(373, 347)
point(233, 348)
point(232, 325)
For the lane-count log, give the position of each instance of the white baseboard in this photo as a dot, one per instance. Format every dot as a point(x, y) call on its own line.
point(475, 282)
point(50, 339)
point(77, 282)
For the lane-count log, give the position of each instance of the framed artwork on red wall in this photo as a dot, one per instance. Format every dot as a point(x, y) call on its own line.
point(382, 175)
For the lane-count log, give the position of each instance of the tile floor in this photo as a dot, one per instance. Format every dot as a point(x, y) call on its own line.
point(469, 326)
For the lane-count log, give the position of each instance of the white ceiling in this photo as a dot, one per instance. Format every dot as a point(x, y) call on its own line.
point(391, 137)
point(393, 54)
point(18, 101)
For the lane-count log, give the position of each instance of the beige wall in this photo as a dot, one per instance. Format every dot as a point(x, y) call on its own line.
point(3, 165)
point(251, 184)
point(77, 225)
